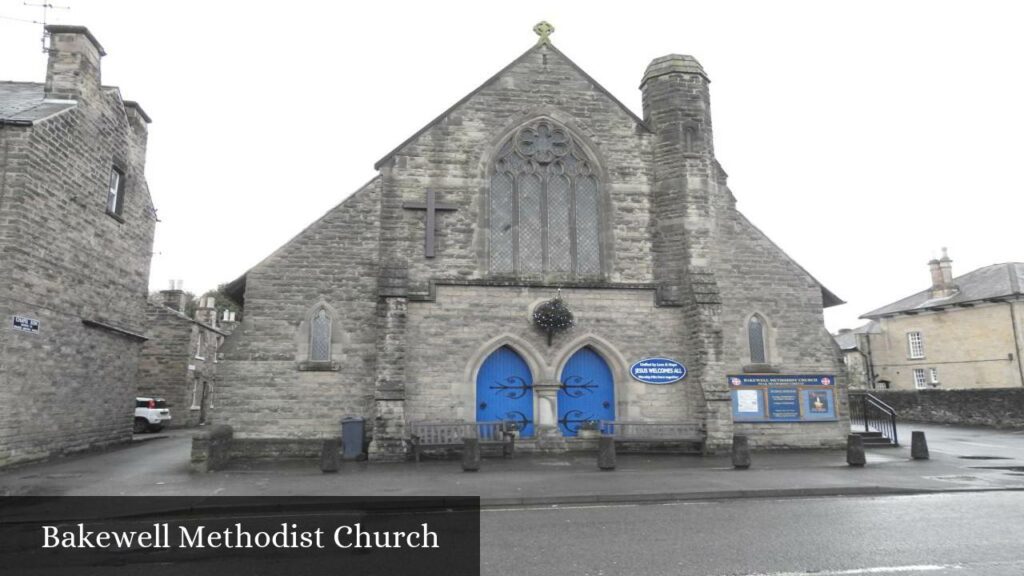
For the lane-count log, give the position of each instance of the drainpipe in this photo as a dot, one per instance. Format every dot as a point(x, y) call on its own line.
point(3, 162)
point(1016, 340)
point(871, 361)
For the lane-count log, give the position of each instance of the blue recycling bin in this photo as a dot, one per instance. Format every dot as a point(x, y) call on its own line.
point(353, 433)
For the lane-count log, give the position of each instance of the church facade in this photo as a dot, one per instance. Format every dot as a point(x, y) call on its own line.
point(414, 299)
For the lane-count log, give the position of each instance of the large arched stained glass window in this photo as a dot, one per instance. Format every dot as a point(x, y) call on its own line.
point(544, 205)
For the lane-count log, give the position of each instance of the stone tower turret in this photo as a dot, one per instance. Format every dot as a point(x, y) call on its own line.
point(677, 107)
point(688, 190)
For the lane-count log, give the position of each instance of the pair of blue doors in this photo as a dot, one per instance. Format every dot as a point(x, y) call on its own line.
point(504, 391)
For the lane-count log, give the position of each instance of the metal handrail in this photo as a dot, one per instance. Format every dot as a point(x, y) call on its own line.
point(883, 416)
point(881, 404)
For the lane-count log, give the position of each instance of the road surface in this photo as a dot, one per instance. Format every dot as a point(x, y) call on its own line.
point(966, 534)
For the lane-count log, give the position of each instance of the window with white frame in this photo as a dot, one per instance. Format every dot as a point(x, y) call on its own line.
point(919, 379)
point(195, 394)
point(915, 345)
point(934, 376)
point(115, 192)
point(199, 346)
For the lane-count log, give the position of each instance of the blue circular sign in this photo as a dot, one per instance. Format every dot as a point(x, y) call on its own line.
point(658, 371)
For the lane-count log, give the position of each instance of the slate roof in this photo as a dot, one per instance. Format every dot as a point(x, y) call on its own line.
point(25, 103)
point(184, 317)
point(995, 282)
point(848, 340)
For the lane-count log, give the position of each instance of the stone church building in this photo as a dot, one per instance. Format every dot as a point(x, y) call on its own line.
point(413, 299)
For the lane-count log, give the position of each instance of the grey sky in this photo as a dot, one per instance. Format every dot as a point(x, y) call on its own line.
point(860, 136)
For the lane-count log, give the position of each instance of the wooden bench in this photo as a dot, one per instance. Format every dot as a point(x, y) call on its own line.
point(423, 435)
point(638, 432)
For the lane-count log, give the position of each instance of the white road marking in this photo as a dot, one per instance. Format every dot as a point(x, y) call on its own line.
point(559, 507)
point(902, 569)
point(873, 570)
point(983, 445)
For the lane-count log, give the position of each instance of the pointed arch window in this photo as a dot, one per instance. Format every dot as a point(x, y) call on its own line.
point(315, 346)
point(320, 337)
point(544, 205)
point(756, 338)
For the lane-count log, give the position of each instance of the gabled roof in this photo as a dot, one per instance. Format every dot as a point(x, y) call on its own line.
point(235, 290)
point(25, 103)
point(184, 317)
point(847, 339)
point(995, 282)
point(490, 80)
point(828, 298)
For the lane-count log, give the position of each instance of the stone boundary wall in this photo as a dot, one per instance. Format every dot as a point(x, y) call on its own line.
point(276, 448)
point(998, 407)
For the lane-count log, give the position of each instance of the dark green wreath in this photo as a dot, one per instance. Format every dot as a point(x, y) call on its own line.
point(553, 316)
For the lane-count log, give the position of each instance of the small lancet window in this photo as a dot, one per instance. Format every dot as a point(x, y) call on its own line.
point(320, 337)
point(690, 139)
point(755, 335)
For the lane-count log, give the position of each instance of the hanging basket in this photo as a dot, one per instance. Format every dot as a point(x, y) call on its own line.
point(553, 316)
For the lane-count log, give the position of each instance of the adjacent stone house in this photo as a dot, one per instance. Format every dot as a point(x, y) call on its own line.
point(856, 350)
point(414, 299)
point(962, 332)
point(179, 361)
point(76, 238)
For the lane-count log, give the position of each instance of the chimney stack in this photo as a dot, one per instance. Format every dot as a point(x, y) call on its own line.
point(942, 276)
point(174, 297)
point(228, 323)
point(206, 312)
point(73, 69)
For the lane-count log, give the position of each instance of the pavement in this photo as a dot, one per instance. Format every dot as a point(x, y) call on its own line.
point(963, 460)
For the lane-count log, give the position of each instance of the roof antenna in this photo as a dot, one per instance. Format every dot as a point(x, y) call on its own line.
point(46, 6)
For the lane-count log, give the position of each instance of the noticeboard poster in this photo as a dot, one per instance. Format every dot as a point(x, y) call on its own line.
point(783, 398)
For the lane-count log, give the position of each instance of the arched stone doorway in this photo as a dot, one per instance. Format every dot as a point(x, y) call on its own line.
point(504, 390)
point(587, 391)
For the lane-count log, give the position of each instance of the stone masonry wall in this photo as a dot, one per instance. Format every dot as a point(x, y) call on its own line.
point(968, 347)
point(453, 158)
point(63, 260)
point(163, 363)
point(449, 338)
point(755, 276)
point(999, 408)
point(261, 390)
point(172, 367)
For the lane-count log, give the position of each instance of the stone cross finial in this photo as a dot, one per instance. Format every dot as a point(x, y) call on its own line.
point(543, 29)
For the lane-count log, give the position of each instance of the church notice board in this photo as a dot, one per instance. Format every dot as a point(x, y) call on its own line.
point(783, 398)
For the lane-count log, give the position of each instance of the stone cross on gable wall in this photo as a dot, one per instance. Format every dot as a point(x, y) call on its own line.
point(431, 206)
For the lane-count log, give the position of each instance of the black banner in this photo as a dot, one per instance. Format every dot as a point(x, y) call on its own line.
point(239, 535)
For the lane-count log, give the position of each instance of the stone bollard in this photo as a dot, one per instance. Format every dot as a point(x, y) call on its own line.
point(855, 451)
point(740, 452)
point(606, 453)
point(329, 457)
point(470, 454)
point(211, 448)
point(918, 445)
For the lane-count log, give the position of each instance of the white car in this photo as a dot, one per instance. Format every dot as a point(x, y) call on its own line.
point(151, 415)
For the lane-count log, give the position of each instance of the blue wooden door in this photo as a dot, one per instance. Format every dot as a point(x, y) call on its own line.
point(587, 392)
point(504, 390)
